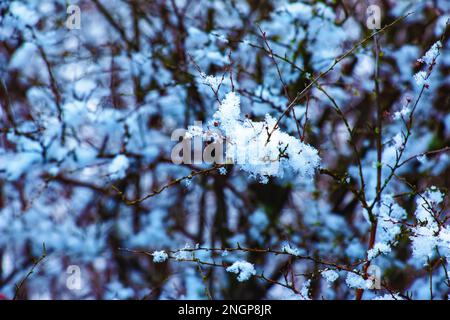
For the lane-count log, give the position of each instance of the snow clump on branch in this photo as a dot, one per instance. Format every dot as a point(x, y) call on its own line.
point(243, 269)
point(259, 148)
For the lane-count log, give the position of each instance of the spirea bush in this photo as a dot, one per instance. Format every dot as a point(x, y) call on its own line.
point(224, 149)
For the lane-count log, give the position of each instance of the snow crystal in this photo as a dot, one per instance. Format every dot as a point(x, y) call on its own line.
point(187, 182)
point(428, 59)
point(243, 269)
point(379, 248)
point(304, 292)
point(420, 78)
point(183, 254)
point(211, 81)
point(431, 55)
point(159, 256)
point(402, 113)
point(357, 282)
point(258, 148)
point(434, 195)
point(229, 111)
point(423, 243)
point(293, 251)
point(428, 235)
point(424, 212)
point(389, 214)
point(330, 275)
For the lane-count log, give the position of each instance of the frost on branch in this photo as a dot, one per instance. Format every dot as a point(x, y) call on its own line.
point(211, 81)
point(159, 256)
point(243, 269)
point(431, 55)
point(378, 248)
point(260, 148)
point(390, 216)
point(421, 77)
point(429, 234)
point(304, 292)
point(330, 275)
point(429, 60)
point(355, 281)
point(293, 251)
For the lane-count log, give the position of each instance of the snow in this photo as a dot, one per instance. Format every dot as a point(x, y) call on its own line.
point(261, 149)
point(183, 254)
point(243, 269)
point(431, 55)
point(229, 111)
point(159, 256)
point(390, 215)
point(293, 251)
point(355, 281)
point(428, 60)
point(428, 235)
point(118, 167)
point(378, 248)
point(211, 81)
point(330, 275)
point(420, 78)
point(304, 292)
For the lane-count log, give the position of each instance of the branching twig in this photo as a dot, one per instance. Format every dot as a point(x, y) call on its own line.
point(170, 184)
point(315, 80)
point(28, 275)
